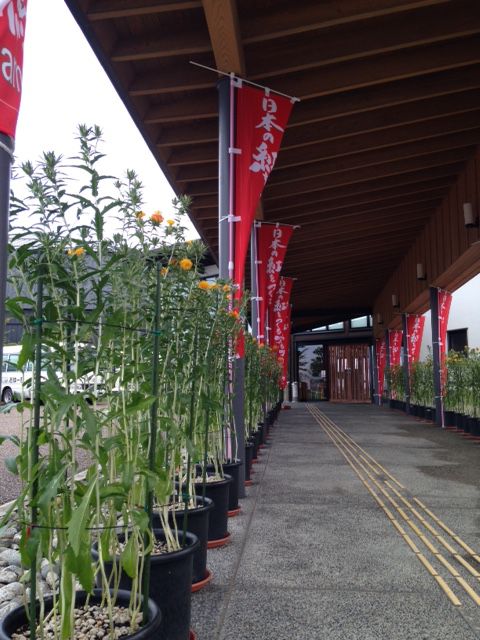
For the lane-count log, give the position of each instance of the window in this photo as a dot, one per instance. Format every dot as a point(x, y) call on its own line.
point(457, 340)
point(337, 326)
point(359, 323)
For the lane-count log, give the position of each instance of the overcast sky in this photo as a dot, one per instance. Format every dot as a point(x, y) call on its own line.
point(64, 85)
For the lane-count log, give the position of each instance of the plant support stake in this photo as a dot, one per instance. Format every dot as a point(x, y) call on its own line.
point(34, 450)
point(152, 442)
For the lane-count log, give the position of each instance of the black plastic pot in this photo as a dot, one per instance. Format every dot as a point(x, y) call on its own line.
point(420, 411)
point(429, 413)
point(197, 523)
point(449, 418)
point(17, 618)
point(170, 587)
point(233, 470)
point(459, 421)
point(258, 440)
point(218, 518)
point(248, 459)
point(475, 426)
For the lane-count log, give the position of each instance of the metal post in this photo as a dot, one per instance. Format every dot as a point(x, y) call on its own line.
point(6, 153)
point(224, 257)
point(406, 363)
point(255, 307)
point(373, 374)
point(437, 380)
point(387, 350)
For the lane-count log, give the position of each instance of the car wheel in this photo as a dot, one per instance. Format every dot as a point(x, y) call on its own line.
point(7, 395)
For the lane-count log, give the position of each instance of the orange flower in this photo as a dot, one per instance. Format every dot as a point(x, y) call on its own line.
point(226, 288)
point(79, 251)
point(204, 285)
point(186, 264)
point(164, 271)
point(156, 218)
point(261, 345)
point(139, 215)
point(233, 313)
point(170, 222)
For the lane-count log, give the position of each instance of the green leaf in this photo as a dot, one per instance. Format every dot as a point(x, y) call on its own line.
point(79, 519)
point(11, 464)
point(81, 565)
point(27, 351)
point(51, 489)
point(129, 557)
point(140, 519)
point(29, 544)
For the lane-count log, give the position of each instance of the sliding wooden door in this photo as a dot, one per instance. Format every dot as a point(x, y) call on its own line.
point(349, 373)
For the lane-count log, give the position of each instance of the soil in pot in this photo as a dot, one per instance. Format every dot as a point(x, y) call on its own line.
point(170, 586)
point(17, 619)
point(218, 492)
point(197, 523)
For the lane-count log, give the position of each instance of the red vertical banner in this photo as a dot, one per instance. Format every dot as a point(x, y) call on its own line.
point(381, 351)
point(280, 333)
point(272, 243)
point(261, 119)
point(444, 304)
point(13, 15)
point(415, 327)
point(395, 338)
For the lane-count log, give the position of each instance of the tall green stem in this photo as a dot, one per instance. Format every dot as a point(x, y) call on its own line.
point(34, 453)
point(152, 445)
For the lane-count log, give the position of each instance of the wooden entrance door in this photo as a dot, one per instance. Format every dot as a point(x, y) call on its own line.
point(349, 373)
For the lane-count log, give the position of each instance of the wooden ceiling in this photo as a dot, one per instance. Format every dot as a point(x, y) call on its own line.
point(389, 114)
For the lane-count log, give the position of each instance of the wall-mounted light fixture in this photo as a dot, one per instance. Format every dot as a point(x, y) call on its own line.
point(469, 215)
point(421, 275)
point(395, 302)
point(379, 318)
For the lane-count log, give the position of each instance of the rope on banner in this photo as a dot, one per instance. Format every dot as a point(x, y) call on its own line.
point(259, 223)
point(239, 81)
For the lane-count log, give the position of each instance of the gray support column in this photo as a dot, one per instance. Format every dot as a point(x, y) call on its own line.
point(253, 282)
point(373, 373)
point(387, 368)
point(377, 398)
point(223, 243)
point(406, 368)
point(437, 382)
point(6, 151)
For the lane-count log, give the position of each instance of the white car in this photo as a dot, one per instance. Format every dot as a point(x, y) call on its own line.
point(17, 384)
point(12, 378)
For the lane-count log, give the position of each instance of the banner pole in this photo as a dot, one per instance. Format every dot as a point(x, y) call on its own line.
point(255, 307)
point(225, 181)
point(406, 363)
point(387, 351)
point(437, 379)
point(6, 155)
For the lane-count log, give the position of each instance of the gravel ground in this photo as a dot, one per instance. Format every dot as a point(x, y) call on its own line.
point(10, 424)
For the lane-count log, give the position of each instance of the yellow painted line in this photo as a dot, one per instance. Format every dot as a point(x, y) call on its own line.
point(448, 592)
point(389, 514)
point(467, 566)
point(411, 544)
point(407, 504)
point(428, 544)
point(399, 528)
point(447, 565)
point(403, 514)
point(427, 564)
point(465, 546)
point(414, 527)
point(448, 547)
point(365, 464)
point(474, 596)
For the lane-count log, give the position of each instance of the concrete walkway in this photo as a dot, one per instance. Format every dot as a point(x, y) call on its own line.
point(315, 555)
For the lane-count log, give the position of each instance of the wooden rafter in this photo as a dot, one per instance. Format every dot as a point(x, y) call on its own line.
point(224, 30)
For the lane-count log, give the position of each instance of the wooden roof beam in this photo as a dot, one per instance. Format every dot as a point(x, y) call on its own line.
point(430, 25)
point(148, 47)
point(224, 30)
point(313, 15)
point(336, 78)
point(113, 9)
